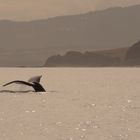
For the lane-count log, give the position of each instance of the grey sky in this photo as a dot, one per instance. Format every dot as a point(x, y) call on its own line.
point(35, 9)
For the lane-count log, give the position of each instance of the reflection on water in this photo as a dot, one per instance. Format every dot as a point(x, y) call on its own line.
point(11, 91)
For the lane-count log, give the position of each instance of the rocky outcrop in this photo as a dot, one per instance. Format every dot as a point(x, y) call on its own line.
point(77, 59)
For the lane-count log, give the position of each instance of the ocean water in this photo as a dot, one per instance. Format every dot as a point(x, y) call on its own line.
point(80, 104)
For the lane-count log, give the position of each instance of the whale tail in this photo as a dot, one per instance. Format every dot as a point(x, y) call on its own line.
point(32, 82)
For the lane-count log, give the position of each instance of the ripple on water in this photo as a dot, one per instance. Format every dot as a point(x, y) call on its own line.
point(87, 125)
point(59, 123)
point(30, 111)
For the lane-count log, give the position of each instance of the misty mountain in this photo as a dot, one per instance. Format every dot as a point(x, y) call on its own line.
point(30, 43)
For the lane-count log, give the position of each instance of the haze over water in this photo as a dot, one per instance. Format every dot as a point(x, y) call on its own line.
point(80, 104)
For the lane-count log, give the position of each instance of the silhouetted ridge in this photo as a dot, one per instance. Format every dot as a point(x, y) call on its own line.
point(77, 59)
point(116, 57)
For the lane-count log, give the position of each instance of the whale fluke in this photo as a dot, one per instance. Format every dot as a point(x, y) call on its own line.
point(33, 82)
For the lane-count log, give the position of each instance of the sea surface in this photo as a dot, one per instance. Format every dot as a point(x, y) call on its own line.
point(80, 104)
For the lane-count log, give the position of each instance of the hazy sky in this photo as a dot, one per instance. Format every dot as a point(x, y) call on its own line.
point(34, 9)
